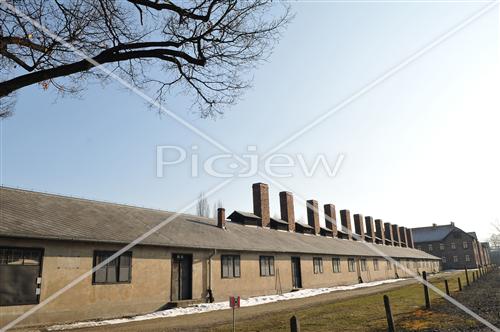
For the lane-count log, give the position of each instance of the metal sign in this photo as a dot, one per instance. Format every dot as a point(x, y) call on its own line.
point(234, 302)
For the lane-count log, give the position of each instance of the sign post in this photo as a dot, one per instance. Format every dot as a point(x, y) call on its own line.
point(234, 302)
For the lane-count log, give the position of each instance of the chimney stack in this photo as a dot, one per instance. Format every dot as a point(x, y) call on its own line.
point(345, 220)
point(287, 210)
point(331, 218)
point(313, 215)
point(407, 238)
point(395, 235)
point(369, 228)
point(409, 235)
point(402, 236)
point(221, 218)
point(359, 227)
point(261, 203)
point(379, 230)
point(389, 237)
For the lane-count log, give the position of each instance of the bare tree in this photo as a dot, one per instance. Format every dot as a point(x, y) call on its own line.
point(205, 47)
point(495, 237)
point(202, 207)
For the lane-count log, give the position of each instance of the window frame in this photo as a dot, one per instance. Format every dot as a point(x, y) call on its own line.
point(318, 265)
point(429, 246)
point(270, 263)
point(353, 261)
point(453, 246)
point(465, 245)
point(467, 258)
point(233, 257)
point(336, 263)
point(117, 268)
point(455, 259)
point(24, 250)
point(441, 246)
point(362, 265)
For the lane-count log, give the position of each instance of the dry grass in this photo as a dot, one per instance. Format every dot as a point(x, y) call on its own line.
point(366, 313)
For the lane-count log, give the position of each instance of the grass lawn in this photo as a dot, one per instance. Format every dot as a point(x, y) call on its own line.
point(366, 313)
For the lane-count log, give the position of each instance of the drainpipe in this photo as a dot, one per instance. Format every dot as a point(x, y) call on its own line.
point(210, 297)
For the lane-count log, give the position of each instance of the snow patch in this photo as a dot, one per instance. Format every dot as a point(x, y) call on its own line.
point(206, 307)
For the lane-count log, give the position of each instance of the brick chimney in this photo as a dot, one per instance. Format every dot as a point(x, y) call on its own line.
point(395, 235)
point(261, 203)
point(345, 221)
point(379, 230)
point(388, 233)
point(313, 215)
point(287, 210)
point(369, 228)
point(402, 236)
point(409, 235)
point(221, 218)
point(359, 227)
point(331, 218)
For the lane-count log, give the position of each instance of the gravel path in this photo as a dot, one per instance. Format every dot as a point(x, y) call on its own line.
point(482, 297)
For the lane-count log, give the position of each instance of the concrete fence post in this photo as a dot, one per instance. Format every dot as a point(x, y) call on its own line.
point(473, 276)
point(388, 314)
point(426, 291)
point(446, 287)
point(459, 285)
point(294, 324)
point(467, 276)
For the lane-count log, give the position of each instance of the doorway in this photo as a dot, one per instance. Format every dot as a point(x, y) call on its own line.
point(20, 271)
point(296, 275)
point(182, 269)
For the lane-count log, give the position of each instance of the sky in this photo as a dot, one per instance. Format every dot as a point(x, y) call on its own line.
point(419, 147)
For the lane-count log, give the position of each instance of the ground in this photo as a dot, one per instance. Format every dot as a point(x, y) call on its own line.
point(358, 310)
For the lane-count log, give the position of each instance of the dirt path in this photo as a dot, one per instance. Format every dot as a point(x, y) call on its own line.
point(199, 322)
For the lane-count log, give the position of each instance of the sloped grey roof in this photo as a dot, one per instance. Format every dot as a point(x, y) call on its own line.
point(27, 214)
point(435, 233)
point(431, 233)
point(245, 214)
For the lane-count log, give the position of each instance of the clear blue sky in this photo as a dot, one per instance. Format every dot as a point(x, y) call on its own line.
point(422, 147)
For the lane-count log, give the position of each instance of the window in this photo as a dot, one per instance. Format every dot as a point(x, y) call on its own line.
point(350, 263)
point(266, 266)
point(336, 265)
point(20, 256)
point(419, 247)
point(230, 266)
point(363, 264)
point(430, 247)
point(455, 259)
point(443, 259)
point(441, 246)
point(375, 264)
point(318, 265)
point(465, 244)
point(467, 258)
point(453, 245)
point(115, 271)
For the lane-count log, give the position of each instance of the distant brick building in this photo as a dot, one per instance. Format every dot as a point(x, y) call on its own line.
point(456, 247)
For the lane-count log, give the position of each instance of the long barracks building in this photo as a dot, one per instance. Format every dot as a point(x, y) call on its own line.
point(47, 241)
